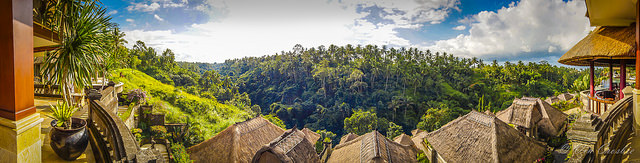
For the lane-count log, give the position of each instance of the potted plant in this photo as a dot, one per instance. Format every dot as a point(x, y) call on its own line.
point(68, 135)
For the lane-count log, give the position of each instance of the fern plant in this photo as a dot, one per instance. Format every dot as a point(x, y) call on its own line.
point(62, 112)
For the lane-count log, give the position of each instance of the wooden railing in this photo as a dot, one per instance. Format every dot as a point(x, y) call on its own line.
point(615, 131)
point(111, 140)
point(595, 105)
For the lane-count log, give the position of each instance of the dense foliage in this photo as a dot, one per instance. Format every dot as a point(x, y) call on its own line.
point(321, 87)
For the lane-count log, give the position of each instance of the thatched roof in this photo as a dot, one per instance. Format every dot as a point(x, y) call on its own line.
point(418, 140)
point(604, 44)
point(236, 143)
point(310, 135)
point(348, 137)
point(405, 139)
point(292, 146)
point(560, 97)
point(416, 131)
point(523, 113)
point(488, 112)
point(477, 137)
point(527, 112)
point(566, 96)
point(372, 147)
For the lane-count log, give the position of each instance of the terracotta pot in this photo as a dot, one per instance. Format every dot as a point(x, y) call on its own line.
point(69, 144)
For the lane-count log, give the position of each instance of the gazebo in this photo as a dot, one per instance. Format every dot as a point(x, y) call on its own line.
point(606, 46)
point(614, 42)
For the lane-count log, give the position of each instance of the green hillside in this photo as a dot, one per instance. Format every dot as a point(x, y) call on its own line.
point(208, 115)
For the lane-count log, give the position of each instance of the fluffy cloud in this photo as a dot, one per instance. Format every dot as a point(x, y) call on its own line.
point(130, 20)
point(157, 17)
point(459, 28)
point(112, 12)
point(526, 27)
point(144, 7)
point(268, 27)
point(155, 5)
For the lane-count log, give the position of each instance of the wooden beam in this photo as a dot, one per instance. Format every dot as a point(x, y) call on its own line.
point(45, 48)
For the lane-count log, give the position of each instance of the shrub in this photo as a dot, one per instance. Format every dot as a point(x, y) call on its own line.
point(179, 153)
point(158, 131)
point(275, 120)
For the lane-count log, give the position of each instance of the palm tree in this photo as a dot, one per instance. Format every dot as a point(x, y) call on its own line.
point(82, 27)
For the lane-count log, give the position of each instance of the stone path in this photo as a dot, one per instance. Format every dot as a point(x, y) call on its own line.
point(159, 147)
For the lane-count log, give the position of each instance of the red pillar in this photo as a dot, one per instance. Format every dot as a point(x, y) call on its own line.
point(637, 43)
point(591, 76)
point(610, 76)
point(16, 59)
point(623, 77)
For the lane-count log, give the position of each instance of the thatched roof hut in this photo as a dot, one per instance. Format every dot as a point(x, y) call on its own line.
point(477, 137)
point(560, 97)
point(530, 112)
point(524, 113)
point(604, 44)
point(372, 147)
point(292, 146)
point(566, 96)
point(236, 143)
point(348, 137)
point(405, 139)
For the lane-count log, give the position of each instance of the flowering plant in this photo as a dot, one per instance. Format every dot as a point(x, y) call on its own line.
point(137, 96)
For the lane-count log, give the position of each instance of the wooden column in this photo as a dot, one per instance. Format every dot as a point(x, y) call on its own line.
point(591, 83)
point(610, 76)
point(623, 77)
point(16, 59)
point(637, 43)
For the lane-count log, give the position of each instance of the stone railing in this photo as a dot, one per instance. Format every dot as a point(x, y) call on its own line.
point(130, 121)
point(615, 131)
point(111, 140)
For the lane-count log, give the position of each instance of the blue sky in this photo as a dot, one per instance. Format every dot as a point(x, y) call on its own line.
point(216, 30)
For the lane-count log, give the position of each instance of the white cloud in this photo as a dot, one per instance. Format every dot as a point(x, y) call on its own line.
point(157, 17)
point(459, 28)
point(265, 28)
point(112, 12)
point(528, 26)
point(129, 20)
point(143, 7)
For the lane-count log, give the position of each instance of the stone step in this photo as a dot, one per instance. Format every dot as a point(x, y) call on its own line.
point(584, 136)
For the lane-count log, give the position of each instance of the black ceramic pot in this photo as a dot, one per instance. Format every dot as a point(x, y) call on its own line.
point(69, 144)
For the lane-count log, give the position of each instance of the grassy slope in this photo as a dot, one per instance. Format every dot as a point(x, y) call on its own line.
point(212, 122)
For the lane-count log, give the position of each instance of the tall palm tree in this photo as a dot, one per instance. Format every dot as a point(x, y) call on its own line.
point(82, 27)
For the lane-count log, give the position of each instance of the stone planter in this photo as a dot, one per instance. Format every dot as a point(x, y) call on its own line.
point(69, 144)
